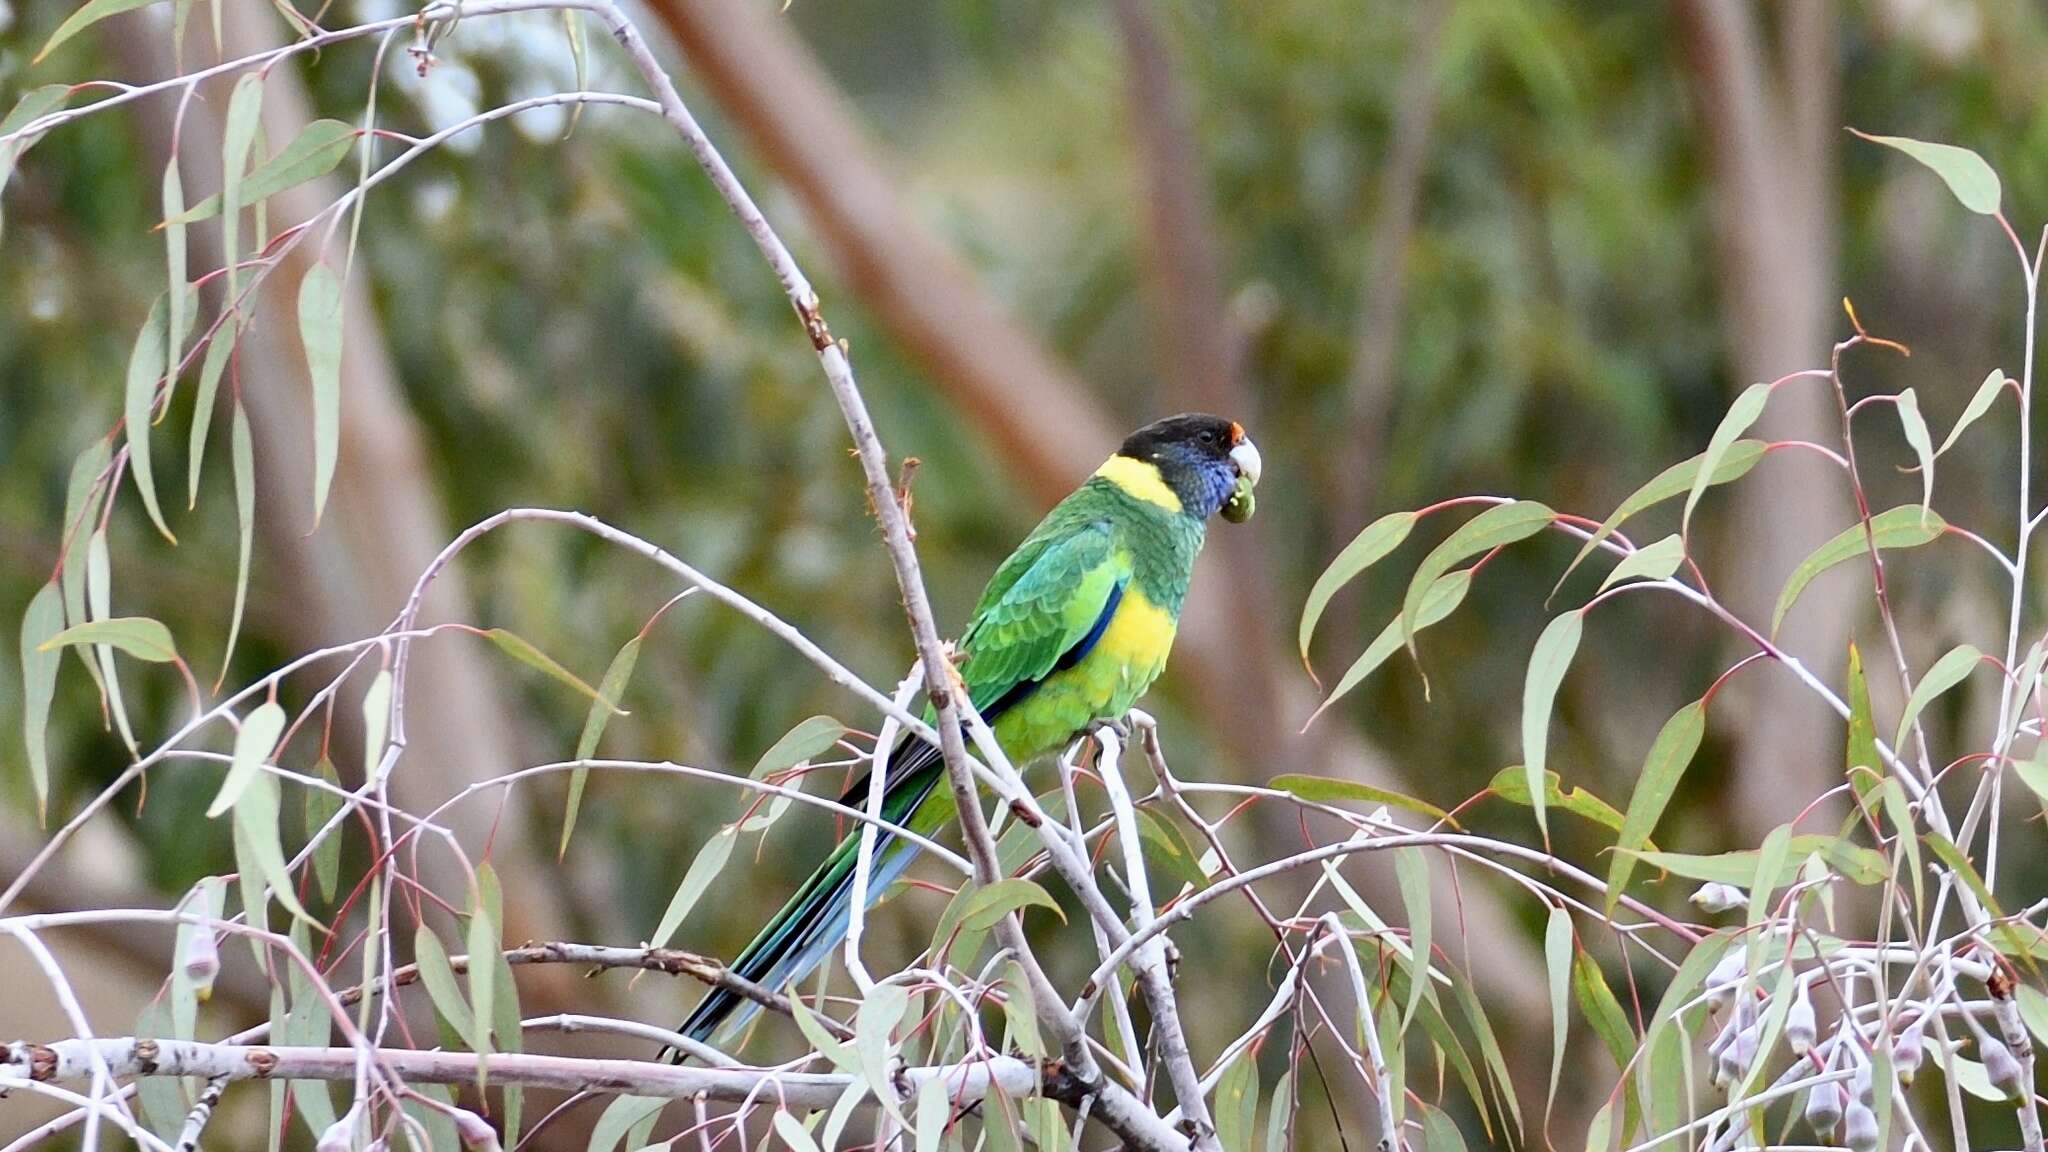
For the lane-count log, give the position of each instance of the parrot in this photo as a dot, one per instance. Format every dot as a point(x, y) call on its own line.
point(1071, 630)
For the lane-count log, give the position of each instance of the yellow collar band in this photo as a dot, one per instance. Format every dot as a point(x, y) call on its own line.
point(1141, 479)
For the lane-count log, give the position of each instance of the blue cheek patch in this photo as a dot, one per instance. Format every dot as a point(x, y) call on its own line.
point(1217, 484)
point(1202, 483)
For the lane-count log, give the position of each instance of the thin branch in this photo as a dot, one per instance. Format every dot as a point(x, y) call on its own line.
point(71, 1060)
point(1150, 961)
point(1128, 1117)
point(202, 1111)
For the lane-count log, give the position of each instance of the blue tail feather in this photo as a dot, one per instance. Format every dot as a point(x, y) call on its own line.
point(805, 931)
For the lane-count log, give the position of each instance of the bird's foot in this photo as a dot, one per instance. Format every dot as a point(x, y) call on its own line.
point(1121, 725)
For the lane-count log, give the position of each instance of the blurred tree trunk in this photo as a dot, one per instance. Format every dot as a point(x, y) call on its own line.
point(913, 284)
point(1383, 294)
point(1771, 140)
point(383, 523)
point(1201, 355)
point(1045, 424)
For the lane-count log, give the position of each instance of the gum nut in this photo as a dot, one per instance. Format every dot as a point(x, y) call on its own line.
point(1824, 1108)
point(1799, 1027)
point(1859, 1128)
point(2002, 1068)
point(476, 1132)
point(1908, 1051)
point(1718, 897)
point(1722, 979)
point(202, 962)
point(338, 1136)
point(1721, 1040)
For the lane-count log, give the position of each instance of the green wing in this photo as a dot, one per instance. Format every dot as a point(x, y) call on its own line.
point(1047, 605)
point(1050, 598)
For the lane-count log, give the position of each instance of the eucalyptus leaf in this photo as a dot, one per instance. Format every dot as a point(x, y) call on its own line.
point(1734, 423)
point(1369, 547)
point(376, 721)
point(256, 820)
point(1499, 525)
point(220, 348)
point(320, 322)
point(618, 1118)
point(1914, 425)
point(522, 650)
point(1907, 526)
point(1670, 754)
point(1952, 669)
point(986, 905)
point(812, 737)
point(87, 16)
point(710, 860)
point(481, 937)
point(181, 302)
point(1967, 175)
point(311, 154)
point(1677, 480)
point(1440, 601)
point(255, 740)
point(1411, 871)
point(1512, 784)
point(1237, 1104)
point(1650, 562)
point(1328, 790)
point(43, 620)
point(320, 807)
point(87, 470)
point(1980, 403)
point(243, 454)
point(245, 107)
point(145, 368)
point(1547, 665)
point(149, 643)
point(438, 977)
point(610, 690)
point(1557, 960)
point(138, 636)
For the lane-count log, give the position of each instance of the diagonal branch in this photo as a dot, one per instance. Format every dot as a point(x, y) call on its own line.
point(1041, 419)
point(1128, 1116)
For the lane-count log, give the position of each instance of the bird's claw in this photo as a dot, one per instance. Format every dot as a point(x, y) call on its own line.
point(1120, 725)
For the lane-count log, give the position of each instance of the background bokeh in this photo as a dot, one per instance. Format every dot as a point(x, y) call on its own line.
point(1420, 250)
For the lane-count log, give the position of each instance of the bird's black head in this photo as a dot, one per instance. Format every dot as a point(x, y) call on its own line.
point(1200, 458)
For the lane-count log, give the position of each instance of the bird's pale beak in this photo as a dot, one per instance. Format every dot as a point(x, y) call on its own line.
point(1246, 456)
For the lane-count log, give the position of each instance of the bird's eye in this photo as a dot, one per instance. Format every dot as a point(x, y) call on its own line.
point(1208, 436)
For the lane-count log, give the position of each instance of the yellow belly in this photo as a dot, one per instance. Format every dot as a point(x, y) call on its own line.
point(1104, 685)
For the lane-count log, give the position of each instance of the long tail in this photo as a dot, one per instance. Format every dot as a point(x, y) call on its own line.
point(814, 921)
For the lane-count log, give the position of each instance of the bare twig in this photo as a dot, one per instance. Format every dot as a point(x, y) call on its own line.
point(202, 1111)
point(1125, 1116)
point(71, 1060)
point(1150, 960)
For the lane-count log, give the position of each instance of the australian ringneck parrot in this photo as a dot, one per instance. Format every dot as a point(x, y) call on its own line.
point(1072, 629)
